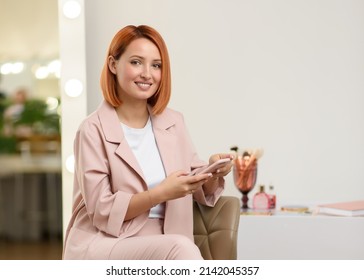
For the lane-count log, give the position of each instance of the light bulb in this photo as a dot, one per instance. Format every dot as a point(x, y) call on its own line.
point(70, 164)
point(41, 72)
point(73, 88)
point(17, 67)
point(52, 103)
point(71, 9)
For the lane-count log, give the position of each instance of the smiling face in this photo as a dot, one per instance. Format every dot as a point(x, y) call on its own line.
point(138, 71)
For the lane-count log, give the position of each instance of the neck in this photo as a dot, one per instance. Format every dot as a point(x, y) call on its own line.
point(135, 116)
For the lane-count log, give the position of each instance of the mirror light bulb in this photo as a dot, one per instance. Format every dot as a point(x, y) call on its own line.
point(70, 164)
point(71, 9)
point(73, 88)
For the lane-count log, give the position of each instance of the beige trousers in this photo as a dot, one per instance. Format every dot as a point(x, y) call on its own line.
point(151, 244)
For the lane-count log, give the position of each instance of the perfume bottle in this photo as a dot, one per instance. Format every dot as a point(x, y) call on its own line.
point(261, 199)
point(272, 197)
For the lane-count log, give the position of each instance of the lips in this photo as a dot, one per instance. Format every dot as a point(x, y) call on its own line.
point(143, 85)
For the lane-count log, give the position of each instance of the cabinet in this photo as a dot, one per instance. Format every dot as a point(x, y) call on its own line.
point(30, 197)
point(300, 237)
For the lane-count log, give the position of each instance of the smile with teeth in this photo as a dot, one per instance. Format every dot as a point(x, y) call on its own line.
point(143, 85)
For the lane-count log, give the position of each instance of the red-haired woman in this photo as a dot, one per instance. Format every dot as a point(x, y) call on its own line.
point(132, 189)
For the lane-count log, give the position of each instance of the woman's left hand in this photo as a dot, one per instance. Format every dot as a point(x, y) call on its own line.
point(222, 171)
point(213, 183)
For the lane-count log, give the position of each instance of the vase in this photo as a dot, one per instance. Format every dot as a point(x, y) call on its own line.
point(245, 170)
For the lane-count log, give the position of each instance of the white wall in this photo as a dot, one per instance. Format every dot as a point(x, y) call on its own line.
point(74, 109)
point(283, 75)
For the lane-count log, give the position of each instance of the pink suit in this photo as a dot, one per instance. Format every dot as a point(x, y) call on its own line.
point(107, 174)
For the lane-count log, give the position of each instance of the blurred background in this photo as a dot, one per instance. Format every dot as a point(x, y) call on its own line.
point(30, 156)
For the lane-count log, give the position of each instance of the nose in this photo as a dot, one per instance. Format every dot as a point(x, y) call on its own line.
point(145, 73)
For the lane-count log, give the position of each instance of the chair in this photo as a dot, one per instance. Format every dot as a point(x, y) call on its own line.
point(216, 228)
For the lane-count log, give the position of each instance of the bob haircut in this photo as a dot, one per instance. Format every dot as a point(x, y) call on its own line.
point(118, 45)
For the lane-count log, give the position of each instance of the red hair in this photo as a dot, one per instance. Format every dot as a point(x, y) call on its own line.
point(117, 47)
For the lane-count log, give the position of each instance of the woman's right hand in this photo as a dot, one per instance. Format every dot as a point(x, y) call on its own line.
point(178, 184)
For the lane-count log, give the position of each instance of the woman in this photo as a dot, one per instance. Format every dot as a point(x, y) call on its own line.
point(132, 191)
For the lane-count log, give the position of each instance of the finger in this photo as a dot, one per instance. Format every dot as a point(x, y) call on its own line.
point(223, 172)
point(195, 187)
point(231, 156)
point(180, 173)
point(198, 178)
point(225, 168)
point(192, 188)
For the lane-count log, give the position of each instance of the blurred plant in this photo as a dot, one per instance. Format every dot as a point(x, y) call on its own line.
point(37, 116)
point(4, 103)
point(7, 144)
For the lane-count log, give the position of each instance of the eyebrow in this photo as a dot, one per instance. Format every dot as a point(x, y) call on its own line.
point(142, 58)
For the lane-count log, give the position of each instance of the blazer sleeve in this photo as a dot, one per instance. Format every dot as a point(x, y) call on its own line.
point(105, 209)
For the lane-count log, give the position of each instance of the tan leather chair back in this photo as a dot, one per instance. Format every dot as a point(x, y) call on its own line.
point(216, 228)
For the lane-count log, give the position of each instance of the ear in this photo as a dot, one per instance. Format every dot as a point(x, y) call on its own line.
point(112, 64)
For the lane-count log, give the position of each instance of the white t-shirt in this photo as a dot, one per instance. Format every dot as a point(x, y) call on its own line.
point(144, 147)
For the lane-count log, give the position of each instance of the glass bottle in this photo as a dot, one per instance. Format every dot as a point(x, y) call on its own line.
point(272, 197)
point(261, 199)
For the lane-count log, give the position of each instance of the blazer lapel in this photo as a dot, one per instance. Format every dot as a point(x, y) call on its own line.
point(166, 140)
point(110, 122)
point(167, 143)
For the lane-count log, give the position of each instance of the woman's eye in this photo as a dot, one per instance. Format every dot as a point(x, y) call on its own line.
point(157, 65)
point(135, 62)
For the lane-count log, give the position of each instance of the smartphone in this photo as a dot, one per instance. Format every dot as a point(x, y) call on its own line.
point(212, 167)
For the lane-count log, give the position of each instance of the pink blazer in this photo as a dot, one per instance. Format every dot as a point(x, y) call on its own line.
point(107, 175)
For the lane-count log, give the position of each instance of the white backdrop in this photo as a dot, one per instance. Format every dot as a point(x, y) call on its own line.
point(287, 76)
